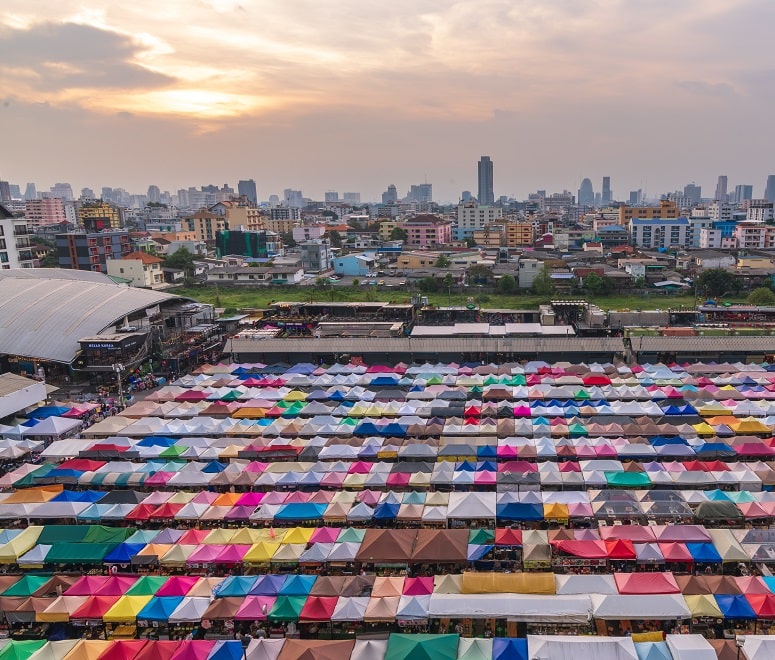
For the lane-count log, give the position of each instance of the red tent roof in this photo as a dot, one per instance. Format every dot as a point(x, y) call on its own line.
point(675, 551)
point(318, 608)
point(197, 649)
point(95, 607)
point(161, 650)
point(762, 604)
point(646, 583)
point(124, 649)
point(620, 549)
point(141, 512)
point(585, 549)
point(508, 536)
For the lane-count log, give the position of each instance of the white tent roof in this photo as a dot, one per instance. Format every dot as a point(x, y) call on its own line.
point(562, 647)
point(759, 647)
point(641, 606)
point(692, 647)
point(517, 607)
point(585, 584)
point(350, 608)
point(191, 609)
point(369, 649)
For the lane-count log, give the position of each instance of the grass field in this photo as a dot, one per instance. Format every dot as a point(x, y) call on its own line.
point(234, 298)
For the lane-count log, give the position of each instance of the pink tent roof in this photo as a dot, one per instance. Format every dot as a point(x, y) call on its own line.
point(250, 499)
point(205, 554)
point(197, 649)
point(325, 535)
point(418, 586)
point(676, 552)
point(255, 608)
point(193, 537)
point(232, 554)
point(177, 585)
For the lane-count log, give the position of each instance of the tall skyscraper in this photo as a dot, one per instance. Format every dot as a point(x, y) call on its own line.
point(390, 196)
point(332, 197)
point(5, 192)
point(721, 189)
point(693, 193)
point(351, 197)
point(63, 191)
point(486, 194)
point(154, 194)
point(586, 194)
point(743, 192)
point(247, 187)
point(769, 188)
point(30, 192)
point(605, 197)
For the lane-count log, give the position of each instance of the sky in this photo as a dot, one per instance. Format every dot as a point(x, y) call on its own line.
point(349, 95)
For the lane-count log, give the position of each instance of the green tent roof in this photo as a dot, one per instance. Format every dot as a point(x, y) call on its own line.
point(78, 553)
point(173, 451)
point(422, 647)
point(628, 479)
point(287, 608)
point(29, 479)
point(351, 535)
point(27, 586)
point(102, 534)
point(481, 536)
point(232, 395)
point(53, 534)
point(21, 649)
point(147, 585)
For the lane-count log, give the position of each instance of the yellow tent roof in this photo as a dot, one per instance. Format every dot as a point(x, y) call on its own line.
point(249, 413)
point(517, 583)
point(556, 511)
point(298, 535)
point(703, 605)
point(59, 611)
point(16, 547)
point(261, 553)
point(295, 395)
point(181, 497)
point(703, 428)
point(219, 536)
point(89, 649)
point(749, 425)
point(230, 452)
point(247, 536)
point(39, 494)
point(126, 609)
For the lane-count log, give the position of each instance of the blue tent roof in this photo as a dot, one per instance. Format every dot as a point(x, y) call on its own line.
point(704, 552)
point(156, 441)
point(300, 511)
point(297, 585)
point(236, 585)
point(45, 412)
point(715, 448)
point(486, 451)
point(476, 552)
point(227, 649)
point(123, 553)
point(159, 608)
point(386, 511)
point(519, 511)
point(78, 496)
point(734, 606)
point(509, 648)
point(394, 428)
point(385, 380)
point(213, 467)
point(653, 651)
point(267, 585)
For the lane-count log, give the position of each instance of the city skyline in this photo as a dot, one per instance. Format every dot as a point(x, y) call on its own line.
point(130, 94)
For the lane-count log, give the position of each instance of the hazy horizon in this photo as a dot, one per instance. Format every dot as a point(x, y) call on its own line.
point(350, 96)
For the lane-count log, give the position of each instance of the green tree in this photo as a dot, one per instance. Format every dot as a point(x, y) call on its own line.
point(356, 282)
point(443, 261)
point(182, 259)
point(716, 282)
point(594, 284)
point(762, 296)
point(470, 242)
point(428, 285)
point(478, 274)
point(543, 284)
point(507, 284)
point(399, 234)
point(288, 240)
point(335, 237)
point(330, 214)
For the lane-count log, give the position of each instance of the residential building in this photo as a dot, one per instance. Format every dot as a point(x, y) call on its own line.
point(427, 230)
point(659, 233)
point(759, 210)
point(205, 224)
point(48, 211)
point(252, 275)
point(528, 269)
point(666, 209)
point(490, 236)
point(485, 177)
point(308, 232)
point(386, 227)
point(712, 259)
point(354, 265)
point(351, 197)
point(90, 251)
point(693, 194)
point(15, 249)
point(697, 223)
point(316, 255)
point(140, 268)
point(247, 187)
point(421, 259)
point(471, 218)
point(518, 234)
point(612, 236)
point(255, 244)
point(99, 216)
point(720, 211)
point(754, 236)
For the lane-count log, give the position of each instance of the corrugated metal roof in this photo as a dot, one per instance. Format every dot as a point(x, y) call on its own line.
point(703, 344)
point(44, 312)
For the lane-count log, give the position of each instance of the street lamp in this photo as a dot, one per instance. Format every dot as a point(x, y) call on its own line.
point(739, 643)
point(118, 368)
point(245, 641)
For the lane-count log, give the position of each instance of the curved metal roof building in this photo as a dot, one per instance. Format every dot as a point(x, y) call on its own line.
point(45, 311)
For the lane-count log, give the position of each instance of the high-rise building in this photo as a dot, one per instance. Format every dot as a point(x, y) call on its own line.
point(88, 194)
point(721, 189)
point(154, 194)
point(15, 243)
point(30, 192)
point(390, 196)
point(99, 216)
point(769, 188)
point(247, 187)
point(91, 250)
point(63, 190)
point(421, 193)
point(331, 197)
point(486, 190)
point(743, 192)
point(5, 192)
point(351, 198)
point(293, 198)
point(50, 211)
point(605, 197)
point(635, 197)
point(693, 193)
point(586, 194)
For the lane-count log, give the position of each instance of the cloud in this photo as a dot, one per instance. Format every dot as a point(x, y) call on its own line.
point(703, 88)
point(52, 57)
